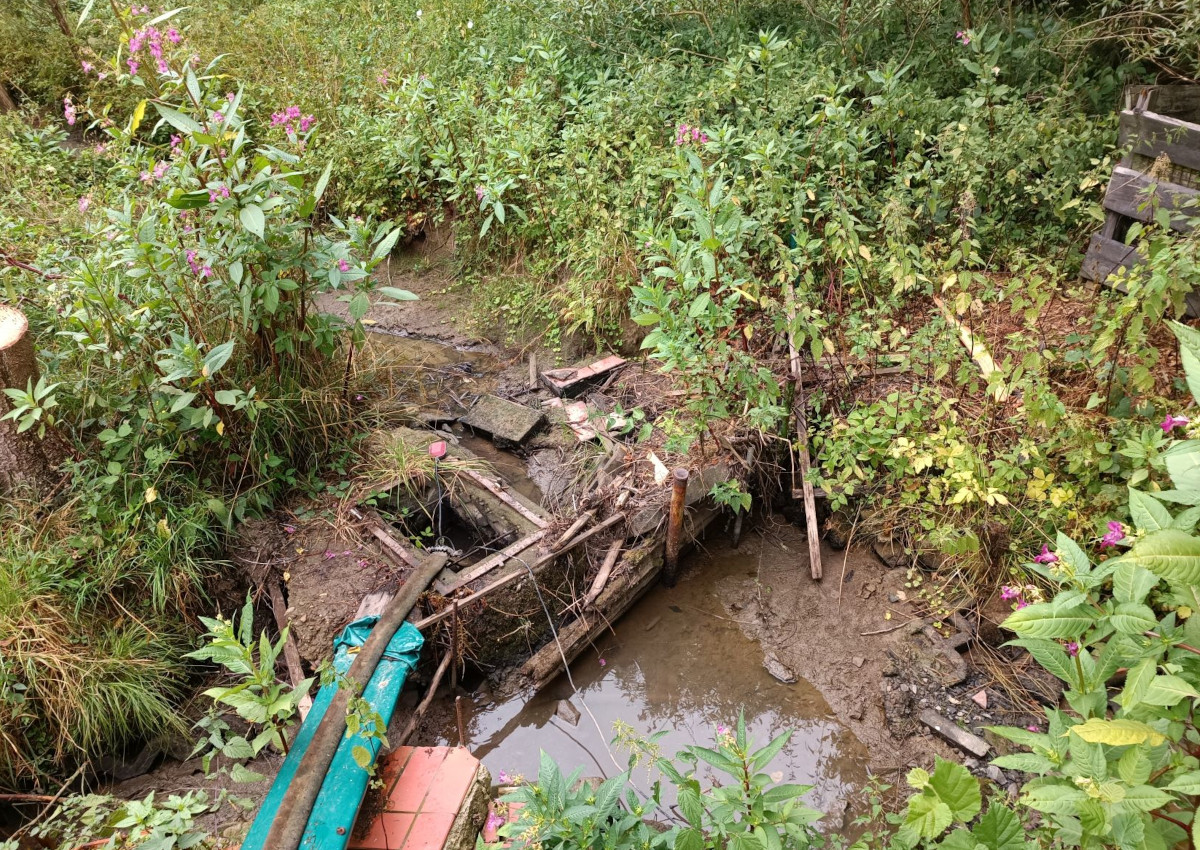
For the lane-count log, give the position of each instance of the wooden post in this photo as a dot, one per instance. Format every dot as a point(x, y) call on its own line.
point(800, 404)
point(26, 462)
point(675, 526)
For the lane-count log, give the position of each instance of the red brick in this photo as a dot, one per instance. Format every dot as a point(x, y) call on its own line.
point(388, 832)
point(430, 831)
point(417, 778)
point(392, 765)
point(452, 782)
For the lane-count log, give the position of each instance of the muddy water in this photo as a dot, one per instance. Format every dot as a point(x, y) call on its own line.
point(674, 663)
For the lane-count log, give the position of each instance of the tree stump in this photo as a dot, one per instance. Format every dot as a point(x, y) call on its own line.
point(27, 463)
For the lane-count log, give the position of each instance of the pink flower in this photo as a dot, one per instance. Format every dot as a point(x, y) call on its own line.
point(1047, 557)
point(222, 191)
point(173, 36)
point(206, 271)
point(1032, 727)
point(69, 111)
point(160, 169)
point(101, 149)
point(218, 118)
point(1172, 422)
point(229, 96)
point(480, 193)
point(306, 123)
point(1115, 534)
point(343, 266)
point(963, 37)
point(162, 66)
point(87, 67)
point(133, 65)
point(722, 729)
point(1010, 593)
point(84, 203)
point(1072, 648)
point(289, 529)
point(382, 79)
point(503, 777)
point(146, 177)
point(603, 663)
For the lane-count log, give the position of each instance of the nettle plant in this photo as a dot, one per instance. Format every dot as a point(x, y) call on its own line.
point(197, 310)
point(740, 808)
point(1124, 768)
point(257, 696)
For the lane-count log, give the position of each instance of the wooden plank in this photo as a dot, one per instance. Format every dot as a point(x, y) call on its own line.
point(1179, 101)
point(1130, 193)
point(976, 348)
point(503, 581)
point(950, 730)
point(497, 490)
point(489, 563)
point(1151, 134)
point(291, 655)
point(813, 531)
point(1105, 256)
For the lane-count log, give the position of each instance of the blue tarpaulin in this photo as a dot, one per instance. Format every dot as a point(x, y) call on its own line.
point(344, 786)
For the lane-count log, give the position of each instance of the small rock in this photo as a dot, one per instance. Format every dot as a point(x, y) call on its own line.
point(995, 774)
point(1012, 790)
point(970, 764)
point(953, 701)
point(778, 669)
point(891, 553)
point(893, 597)
point(859, 661)
point(980, 699)
point(567, 711)
point(856, 713)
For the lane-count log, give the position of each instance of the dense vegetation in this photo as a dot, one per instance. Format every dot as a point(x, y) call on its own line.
point(176, 188)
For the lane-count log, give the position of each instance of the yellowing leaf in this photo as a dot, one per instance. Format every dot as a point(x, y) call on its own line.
point(135, 120)
point(287, 576)
point(150, 495)
point(864, 252)
point(220, 428)
point(1117, 733)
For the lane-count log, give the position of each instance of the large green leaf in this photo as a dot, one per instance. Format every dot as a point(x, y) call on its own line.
point(1189, 353)
point(957, 788)
point(252, 219)
point(1170, 553)
point(1054, 798)
point(1148, 513)
point(1168, 690)
point(1183, 464)
point(1000, 829)
point(1142, 798)
point(1131, 583)
point(1117, 733)
point(928, 816)
point(1133, 618)
point(1050, 620)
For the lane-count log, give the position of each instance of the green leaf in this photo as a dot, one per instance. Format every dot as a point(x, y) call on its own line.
point(1048, 620)
point(1142, 798)
point(240, 773)
point(1183, 464)
point(1054, 798)
point(322, 182)
point(689, 838)
point(957, 788)
point(1133, 618)
point(385, 245)
point(1188, 783)
point(1148, 513)
point(1131, 583)
point(360, 305)
point(928, 816)
point(999, 829)
point(178, 120)
point(1168, 691)
point(361, 755)
point(689, 805)
point(1137, 682)
point(1170, 553)
point(397, 294)
point(252, 219)
point(1134, 766)
point(1189, 353)
point(1117, 733)
point(1025, 762)
point(218, 357)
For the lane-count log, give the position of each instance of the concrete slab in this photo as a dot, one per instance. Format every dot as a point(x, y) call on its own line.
point(503, 419)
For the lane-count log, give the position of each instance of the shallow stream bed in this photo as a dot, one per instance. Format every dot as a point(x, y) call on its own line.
point(675, 662)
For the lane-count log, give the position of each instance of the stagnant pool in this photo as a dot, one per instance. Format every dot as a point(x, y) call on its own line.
point(675, 662)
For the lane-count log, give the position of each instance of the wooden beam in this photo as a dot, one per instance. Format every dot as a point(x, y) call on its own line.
point(489, 563)
point(1150, 134)
point(291, 655)
point(800, 404)
point(1137, 195)
point(497, 490)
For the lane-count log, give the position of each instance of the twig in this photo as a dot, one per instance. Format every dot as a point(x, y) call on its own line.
point(50, 804)
point(420, 710)
point(892, 629)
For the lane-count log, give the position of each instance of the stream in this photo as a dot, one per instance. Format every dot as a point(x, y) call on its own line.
point(674, 663)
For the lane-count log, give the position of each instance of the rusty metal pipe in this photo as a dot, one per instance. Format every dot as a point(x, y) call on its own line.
point(675, 526)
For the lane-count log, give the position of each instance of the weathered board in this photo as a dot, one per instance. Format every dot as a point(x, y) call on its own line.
point(1150, 135)
point(1137, 196)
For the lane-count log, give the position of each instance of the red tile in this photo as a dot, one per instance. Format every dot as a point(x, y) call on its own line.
point(388, 832)
point(452, 782)
point(417, 778)
point(391, 766)
point(430, 831)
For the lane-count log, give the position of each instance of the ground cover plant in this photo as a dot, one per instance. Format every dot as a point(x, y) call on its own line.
point(700, 184)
